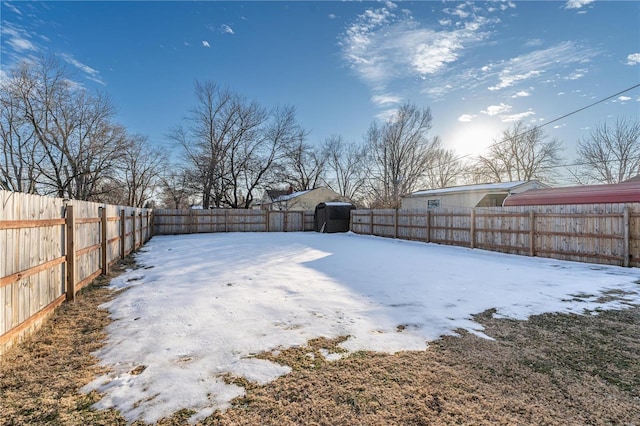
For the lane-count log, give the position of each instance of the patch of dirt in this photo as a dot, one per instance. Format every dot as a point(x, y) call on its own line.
point(554, 369)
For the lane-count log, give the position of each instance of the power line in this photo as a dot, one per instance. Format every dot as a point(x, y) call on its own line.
point(551, 122)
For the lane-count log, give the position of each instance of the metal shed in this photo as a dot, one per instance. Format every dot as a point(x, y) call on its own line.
point(626, 192)
point(332, 217)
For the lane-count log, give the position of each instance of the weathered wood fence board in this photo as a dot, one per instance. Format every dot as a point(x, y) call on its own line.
point(172, 221)
point(36, 236)
point(598, 233)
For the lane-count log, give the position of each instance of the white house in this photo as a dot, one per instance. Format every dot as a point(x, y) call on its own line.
point(483, 195)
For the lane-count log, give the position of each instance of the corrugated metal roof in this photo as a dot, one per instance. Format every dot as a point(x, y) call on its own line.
point(503, 186)
point(628, 192)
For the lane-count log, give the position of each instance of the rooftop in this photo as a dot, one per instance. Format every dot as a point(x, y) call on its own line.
point(500, 186)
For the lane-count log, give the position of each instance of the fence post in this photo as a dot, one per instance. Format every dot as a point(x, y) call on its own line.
point(226, 220)
point(627, 236)
point(141, 239)
point(428, 226)
point(267, 215)
point(133, 231)
point(71, 254)
point(194, 221)
point(532, 233)
point(395, 224)
point(146, 232)
point(371, 222)
point(103, 237)
point(149, 227)
point(472, 231)
point(285, 220)
point(350, 222)
point(123, 231)
point(152, 224)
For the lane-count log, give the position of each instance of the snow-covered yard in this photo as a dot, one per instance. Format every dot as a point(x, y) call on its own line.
point(201, 306)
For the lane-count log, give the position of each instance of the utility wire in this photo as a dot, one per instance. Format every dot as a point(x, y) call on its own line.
point(548, 122)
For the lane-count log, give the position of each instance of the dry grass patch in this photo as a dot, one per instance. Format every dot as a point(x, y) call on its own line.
point(40, 378)
point(554, 369)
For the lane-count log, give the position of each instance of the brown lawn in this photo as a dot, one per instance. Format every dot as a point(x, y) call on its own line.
point(552, 369)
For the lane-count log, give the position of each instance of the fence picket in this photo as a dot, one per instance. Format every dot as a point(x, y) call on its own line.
point(608, 234)
point(40, 250)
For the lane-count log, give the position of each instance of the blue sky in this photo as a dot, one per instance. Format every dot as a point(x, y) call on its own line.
point(478, 65)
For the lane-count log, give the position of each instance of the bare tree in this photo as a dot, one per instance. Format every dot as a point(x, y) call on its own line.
point(345, 167)
point(20, 154)
point(175, 190)
point(304, 166)
point(140, 168)
point(267, 153)
point(77, 142)
point(610, 154)
point(522, 154)
point(445, 168)
point(233, 145)
point(205, 137)
point(399, 154)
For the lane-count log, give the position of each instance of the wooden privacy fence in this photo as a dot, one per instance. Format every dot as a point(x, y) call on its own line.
point(171, 221)
point(37, 236)
point(596, 233)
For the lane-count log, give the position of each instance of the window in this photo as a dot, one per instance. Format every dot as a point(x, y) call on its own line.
point(432, 204)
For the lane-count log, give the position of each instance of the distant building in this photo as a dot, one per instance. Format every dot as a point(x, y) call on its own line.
point(301, 200)
point(483, 195)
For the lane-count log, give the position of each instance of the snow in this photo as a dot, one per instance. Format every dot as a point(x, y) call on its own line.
point(290, 196)
point(201, 306)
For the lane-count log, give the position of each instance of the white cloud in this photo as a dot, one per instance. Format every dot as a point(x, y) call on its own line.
point(387, 115)
point(577, 4)
point(226, 29)
point(12, 8)
point(533, 64)
point(633, 59)
point(521, 94)
point(577, 74)
point(386, 99)
point(205, 43)
point(74, 85)
point(507, 79)
point(186, 43)
point(90, 73)
point(18, 38)
point(332, 16)
point(466, 118)
point(382, 46)
point(624, 98)
point(21, 44)
point(535, 42)
point(390, 5)
point(496, 109)
point(516, 117)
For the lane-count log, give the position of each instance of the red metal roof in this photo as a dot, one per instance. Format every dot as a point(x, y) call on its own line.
point(628, 192)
